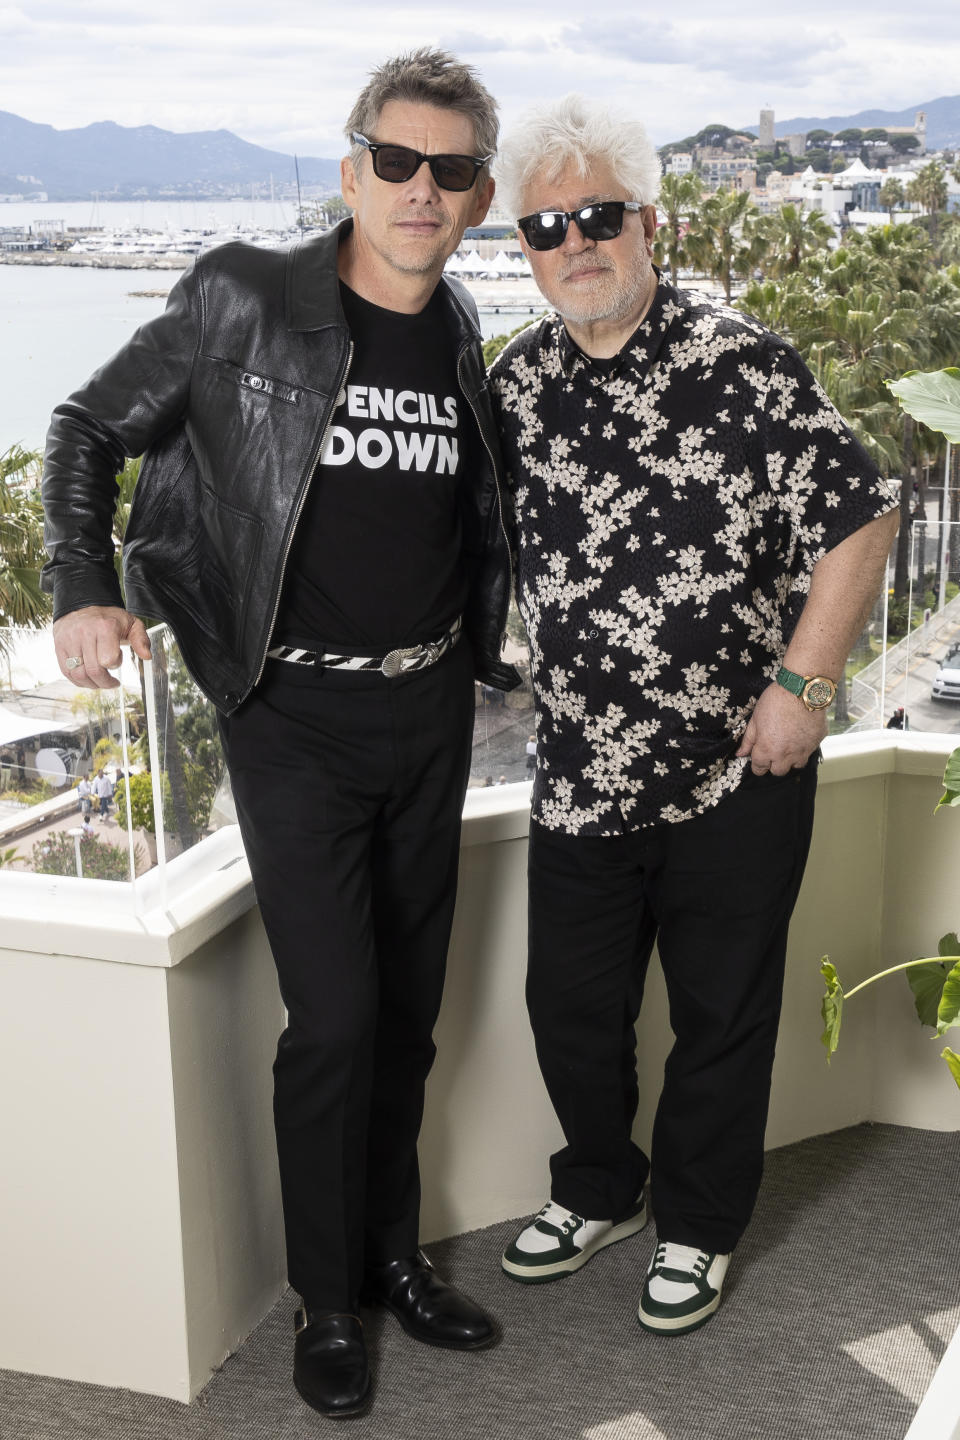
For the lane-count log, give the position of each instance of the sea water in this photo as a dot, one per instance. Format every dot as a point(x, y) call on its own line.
point(58, 323)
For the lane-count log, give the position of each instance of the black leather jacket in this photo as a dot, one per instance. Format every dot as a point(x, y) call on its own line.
point(227, 395)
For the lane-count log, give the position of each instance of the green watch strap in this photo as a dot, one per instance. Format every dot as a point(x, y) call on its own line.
point(791, 681)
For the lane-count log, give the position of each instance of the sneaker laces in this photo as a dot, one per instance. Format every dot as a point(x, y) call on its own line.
point(560, 1218)
point(682, 1259)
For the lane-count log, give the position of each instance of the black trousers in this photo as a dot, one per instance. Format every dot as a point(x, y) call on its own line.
point(349, 790)
point(716, 893)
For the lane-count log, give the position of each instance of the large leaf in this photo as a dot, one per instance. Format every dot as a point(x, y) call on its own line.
point(951, 781)
point(949, 1008)
point(953, 1060)
point(932, 397)
point(831, 1007)
point(927, 982)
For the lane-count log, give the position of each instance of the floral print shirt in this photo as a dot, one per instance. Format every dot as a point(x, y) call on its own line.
point(669, 506)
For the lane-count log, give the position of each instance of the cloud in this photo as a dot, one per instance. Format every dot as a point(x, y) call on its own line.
point(731, 49)
point(285, 75)
point(470, 44)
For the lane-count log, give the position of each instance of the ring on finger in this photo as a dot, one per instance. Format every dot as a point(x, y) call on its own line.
point(73, 661)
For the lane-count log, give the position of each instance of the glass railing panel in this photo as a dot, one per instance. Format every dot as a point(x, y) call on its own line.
point(62, 750)
point(182, 778)
point(155, 741)
point(503, 734)
point(922, 679)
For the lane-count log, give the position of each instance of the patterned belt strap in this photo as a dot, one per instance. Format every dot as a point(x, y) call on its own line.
point(398, 662)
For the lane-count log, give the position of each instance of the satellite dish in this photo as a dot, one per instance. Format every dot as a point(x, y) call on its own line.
point(51, 765)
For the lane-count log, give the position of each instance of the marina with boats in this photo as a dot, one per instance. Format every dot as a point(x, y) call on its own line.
point(173, 247)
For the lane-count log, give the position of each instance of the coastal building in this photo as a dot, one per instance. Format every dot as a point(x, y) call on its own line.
point(765, 133)
point(721, 170)
point(851, 198)
point(21, 238)
point(918, 128)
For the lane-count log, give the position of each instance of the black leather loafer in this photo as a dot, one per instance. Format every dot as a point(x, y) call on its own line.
point(427, 1308)
point(330, 1363)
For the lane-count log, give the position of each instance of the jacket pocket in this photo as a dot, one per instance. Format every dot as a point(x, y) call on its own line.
point(190, 556)
point(225, 372)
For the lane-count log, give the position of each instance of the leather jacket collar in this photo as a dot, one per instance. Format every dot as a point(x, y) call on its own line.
point(312, 288)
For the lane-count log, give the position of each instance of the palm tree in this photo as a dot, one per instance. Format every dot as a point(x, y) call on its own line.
point(679, 197)
point(928, 189)
point(22, 602)
point(869, 334)
point(950, 242)
point(725, 238)
point(891, 195)
point(792, 234)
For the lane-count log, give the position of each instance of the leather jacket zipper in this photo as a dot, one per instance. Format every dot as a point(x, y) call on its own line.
point(341, 378)
point(493, 465)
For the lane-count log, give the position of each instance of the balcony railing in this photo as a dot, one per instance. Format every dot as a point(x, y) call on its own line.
point(155, 738)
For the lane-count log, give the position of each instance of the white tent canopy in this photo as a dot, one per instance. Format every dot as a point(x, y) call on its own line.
point(14, 726)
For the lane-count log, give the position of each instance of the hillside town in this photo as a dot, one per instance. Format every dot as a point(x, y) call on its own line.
point(855, 178)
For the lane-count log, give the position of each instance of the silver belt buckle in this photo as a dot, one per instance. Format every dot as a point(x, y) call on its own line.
point(392, 664)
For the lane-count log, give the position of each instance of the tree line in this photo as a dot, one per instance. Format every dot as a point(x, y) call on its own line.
point(861, 313)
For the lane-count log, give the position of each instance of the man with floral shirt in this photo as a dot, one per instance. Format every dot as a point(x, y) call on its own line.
point(699, 542)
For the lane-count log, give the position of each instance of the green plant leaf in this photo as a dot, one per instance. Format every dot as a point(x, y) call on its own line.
point(927, 982)
point(831, 1007)
point(949, 1008)
point(949, 945)
point(953, 1060)
point(933, 397)
point(951, 781)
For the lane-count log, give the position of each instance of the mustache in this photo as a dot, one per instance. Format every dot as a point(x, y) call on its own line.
point(593, 261)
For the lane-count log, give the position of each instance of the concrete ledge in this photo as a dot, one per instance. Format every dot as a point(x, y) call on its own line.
point(138, 1024)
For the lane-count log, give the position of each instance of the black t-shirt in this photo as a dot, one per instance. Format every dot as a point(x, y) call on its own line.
point(376, 559)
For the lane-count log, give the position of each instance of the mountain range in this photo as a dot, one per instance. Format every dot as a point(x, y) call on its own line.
point(121, 161)
point(943, 121)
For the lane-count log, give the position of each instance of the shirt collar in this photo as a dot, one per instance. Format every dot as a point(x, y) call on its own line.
point(639, 352)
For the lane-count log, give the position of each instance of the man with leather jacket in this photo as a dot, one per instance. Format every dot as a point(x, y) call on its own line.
point(318, 518)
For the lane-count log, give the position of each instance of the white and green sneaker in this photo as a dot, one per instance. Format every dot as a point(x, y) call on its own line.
point(557, 1242)
point(682, 1289)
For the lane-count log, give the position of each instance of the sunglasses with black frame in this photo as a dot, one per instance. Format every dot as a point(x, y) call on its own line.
point(601, 220)
point(398, 163)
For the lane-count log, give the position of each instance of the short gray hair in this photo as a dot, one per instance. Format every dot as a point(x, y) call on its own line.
point(573, 132)
point(427, 77)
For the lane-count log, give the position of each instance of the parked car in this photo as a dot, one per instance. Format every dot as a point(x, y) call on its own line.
point(946, 682)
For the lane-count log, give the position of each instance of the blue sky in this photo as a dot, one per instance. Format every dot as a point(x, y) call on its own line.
point(283, 73)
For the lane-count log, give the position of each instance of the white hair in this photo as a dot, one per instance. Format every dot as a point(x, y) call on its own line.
point(568, 132)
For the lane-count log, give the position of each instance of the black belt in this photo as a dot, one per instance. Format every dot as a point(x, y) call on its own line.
point(396, 662)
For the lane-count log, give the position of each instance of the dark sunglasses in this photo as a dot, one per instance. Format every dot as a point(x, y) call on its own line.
point(397, 163)
point(603, 220)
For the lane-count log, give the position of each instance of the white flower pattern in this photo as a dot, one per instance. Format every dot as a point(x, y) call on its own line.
point(712, 476)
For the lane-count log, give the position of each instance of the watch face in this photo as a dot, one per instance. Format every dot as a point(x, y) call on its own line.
point(819, 693)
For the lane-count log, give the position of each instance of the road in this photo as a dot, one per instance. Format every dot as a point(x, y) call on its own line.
point(912, 691)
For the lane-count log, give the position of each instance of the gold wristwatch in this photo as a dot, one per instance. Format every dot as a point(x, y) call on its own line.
point(816, 691)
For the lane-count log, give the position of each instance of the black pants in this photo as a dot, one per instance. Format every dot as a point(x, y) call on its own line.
point(349, 791)
point(716, 893)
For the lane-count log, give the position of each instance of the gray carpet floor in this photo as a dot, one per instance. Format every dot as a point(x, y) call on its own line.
point(839, 1303)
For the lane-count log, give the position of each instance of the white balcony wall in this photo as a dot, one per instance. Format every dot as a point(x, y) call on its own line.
point(141, 1231)
point(141, 1235)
